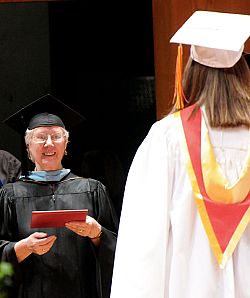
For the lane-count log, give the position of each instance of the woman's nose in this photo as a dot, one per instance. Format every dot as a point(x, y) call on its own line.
point(49, 141)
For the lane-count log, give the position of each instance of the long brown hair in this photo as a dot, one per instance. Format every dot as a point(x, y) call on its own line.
point(225, 92)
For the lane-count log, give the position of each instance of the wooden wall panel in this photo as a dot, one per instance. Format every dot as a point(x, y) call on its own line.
point(168, 16)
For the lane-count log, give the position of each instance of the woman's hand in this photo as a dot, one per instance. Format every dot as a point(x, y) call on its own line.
point(38, 243)
point(89, 228)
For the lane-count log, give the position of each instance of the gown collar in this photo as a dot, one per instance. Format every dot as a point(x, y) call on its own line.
point(45, 176)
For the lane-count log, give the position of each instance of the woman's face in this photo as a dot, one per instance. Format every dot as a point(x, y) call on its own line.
point(47, 147)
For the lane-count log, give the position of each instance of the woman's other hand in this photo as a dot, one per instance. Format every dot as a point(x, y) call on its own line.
point(89, 228)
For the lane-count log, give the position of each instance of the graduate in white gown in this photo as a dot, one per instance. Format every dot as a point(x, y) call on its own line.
point(184, 229)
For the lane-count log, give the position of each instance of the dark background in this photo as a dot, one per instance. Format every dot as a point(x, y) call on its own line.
point(96, 56)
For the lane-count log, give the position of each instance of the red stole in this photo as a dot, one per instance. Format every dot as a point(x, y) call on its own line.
point(224, 223)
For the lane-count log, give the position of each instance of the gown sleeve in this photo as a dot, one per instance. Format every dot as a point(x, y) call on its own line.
point(106, 216)
point(7, 228)
point(140, 260)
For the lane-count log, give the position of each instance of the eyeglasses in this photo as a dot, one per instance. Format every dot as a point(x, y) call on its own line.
point(41, 138)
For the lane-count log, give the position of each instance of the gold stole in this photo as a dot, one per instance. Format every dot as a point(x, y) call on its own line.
point(223, 208)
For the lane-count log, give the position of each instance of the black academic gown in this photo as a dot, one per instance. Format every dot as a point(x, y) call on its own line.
point(74, 267)
point(10, 168)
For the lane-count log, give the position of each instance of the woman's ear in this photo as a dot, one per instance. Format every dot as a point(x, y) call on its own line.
point(28, 153)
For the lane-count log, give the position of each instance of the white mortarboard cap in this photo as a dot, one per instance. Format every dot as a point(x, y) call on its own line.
point(217, 39)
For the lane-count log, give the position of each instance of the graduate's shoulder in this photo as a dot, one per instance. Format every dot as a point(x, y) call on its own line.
point(167, 127)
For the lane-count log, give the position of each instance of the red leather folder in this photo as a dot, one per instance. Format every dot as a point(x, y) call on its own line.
point(56, 218)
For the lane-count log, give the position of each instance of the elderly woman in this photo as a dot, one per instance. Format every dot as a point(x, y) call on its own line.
point(72, 261)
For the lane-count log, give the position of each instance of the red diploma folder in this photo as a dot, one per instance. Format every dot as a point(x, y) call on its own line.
point(56, 218)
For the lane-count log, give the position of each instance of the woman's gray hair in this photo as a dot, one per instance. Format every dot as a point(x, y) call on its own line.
point(29, 133)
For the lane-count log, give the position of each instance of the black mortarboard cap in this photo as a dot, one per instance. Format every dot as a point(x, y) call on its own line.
point(47, 110)
point(44, 111)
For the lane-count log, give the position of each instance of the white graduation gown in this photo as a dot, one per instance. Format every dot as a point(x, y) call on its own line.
point(162, 248)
